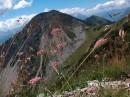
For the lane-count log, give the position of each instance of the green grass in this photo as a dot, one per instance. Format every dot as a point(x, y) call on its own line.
point(113, 93)
point(71, 34)
point(73, 59)
point(91, 71)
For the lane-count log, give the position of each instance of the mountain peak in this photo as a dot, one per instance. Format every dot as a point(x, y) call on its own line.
point(55, 17)
point(55, 33)
point(54, 11)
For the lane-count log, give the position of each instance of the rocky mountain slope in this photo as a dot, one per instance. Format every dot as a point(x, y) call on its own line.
point(63, 52)
point(48, 39)
point(106, 60)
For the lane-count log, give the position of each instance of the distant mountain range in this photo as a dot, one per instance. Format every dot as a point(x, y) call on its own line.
point(97, 21)
point(120, 14)
point(5, 35)
point(104, 16)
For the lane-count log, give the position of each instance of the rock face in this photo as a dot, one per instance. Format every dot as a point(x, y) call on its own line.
point(8, 76)
point(55, 33)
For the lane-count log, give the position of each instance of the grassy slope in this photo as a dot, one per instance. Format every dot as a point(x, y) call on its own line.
point(91, 35)
point(96, 20)
point(72, 61)
point(93, 71)
point(88, 71)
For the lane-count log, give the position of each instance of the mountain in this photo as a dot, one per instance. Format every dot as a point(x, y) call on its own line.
point(107, 14)
point(122, 13)
point(66, 52)
point(96, 21)
point(5, 35)
point(104, 14)
point(108, 55)
point(56, 34)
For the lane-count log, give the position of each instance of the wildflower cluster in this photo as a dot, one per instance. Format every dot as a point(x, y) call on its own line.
point(100, 42)
point(35, 80)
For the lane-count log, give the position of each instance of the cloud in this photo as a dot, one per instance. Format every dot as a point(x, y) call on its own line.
point(8, 25)
point(6, 5)
point(13, 23)
point(111, 4)
point(22, 4)
point(46, 10)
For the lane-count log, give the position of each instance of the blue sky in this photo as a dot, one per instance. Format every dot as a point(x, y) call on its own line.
point(38, 6)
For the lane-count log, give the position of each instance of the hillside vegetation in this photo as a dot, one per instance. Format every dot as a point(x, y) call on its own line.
point(56, 52)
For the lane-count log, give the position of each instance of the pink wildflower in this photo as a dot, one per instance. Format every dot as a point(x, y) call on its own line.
point(20, 17)
point(35, 80)
point(91, 90)
point(20, 53)
point(41, 52)
point(100, 42)
point(54, 51)
point(56, 31)
point(96, 56)
point(55, 64)
point(122, 34)
point(18, 20)
point(60, 45)
point(28, 58)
